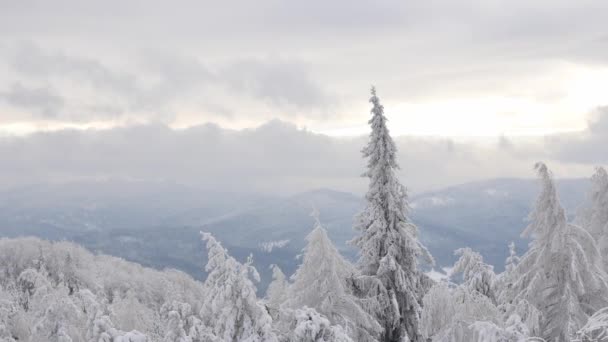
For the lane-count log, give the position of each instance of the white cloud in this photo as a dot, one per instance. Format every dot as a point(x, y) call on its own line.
point(276, 157)
point(511, 67)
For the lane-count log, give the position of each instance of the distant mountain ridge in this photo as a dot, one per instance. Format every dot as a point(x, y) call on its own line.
point(157, 223)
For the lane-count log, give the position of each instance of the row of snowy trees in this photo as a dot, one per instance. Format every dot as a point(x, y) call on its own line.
point(556, 291)
point(61, 292)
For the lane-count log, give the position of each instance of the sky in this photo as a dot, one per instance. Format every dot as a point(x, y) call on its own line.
point(179, 90)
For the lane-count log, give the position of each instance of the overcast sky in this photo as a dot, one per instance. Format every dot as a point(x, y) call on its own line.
point(188, 90)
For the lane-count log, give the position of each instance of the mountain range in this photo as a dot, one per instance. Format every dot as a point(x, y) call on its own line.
point(158, 223)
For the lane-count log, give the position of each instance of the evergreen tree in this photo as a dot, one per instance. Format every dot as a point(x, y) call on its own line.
point(322, 283)
point(230, 307)
point(594, 217)
point(560, 274)
point(276, 294)
point(596, 329)
point(388, 244)
point(310, 326)
point(476, 275)
point(183, 326)
point(512, 260)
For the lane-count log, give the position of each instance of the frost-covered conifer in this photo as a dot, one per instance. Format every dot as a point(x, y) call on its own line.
point(594, 216)
point(310, 326)
point(560, 274)
point(513, 259)
point(103, 330)
point(449, 313)
point(596, 328)
point(8, 307)
point(476, 275)
point(183, 326)
point(58, 318)
point(276, 294)
point(230, 307)
point(388, 241)
point(322, 282)
point(69, 277)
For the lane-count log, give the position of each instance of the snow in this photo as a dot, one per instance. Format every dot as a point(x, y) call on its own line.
point(441, 275)
point(268, 246)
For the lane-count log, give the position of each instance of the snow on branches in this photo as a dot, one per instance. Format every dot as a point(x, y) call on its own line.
point(388, 242)
point(230, 306)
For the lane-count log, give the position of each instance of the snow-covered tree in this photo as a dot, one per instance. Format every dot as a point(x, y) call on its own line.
point(69, 277)
point(594, 216)
point(388, 243)
point(323, 282)
point(513, 259)
point(458, 314)
point(276, 293)
point(476, 275)
point(560, 274)
point(183, 326)
point(453, 313)
point(130, 313)
point(58, 319)
point(31, 283)
point(438, 309)
point(59, 291)
point(230, 307)
point(176, 314)
point(310, 326)
point(103, 330)
point(596, 328)
point(528, 316)
point(8, 307)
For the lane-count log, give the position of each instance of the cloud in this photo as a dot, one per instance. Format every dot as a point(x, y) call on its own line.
point(308, 62)
point(283, 83)
point(31, 60)
point(42, 101)
point(162, 84)
point(587, 147)
point(276, 157)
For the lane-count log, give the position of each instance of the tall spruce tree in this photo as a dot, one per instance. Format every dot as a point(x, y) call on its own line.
point(388, 242)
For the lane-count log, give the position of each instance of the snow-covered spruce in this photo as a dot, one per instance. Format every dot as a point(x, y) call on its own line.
point(307, 325)
point(596, 329)
point(560, 275)
point(594, 215)
point(388, 243)
point(468, 312)
point(323, 282)
point(476, 275)
point(230, 307)
point(277, 292)
point(460, 314)
point(513, 259)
